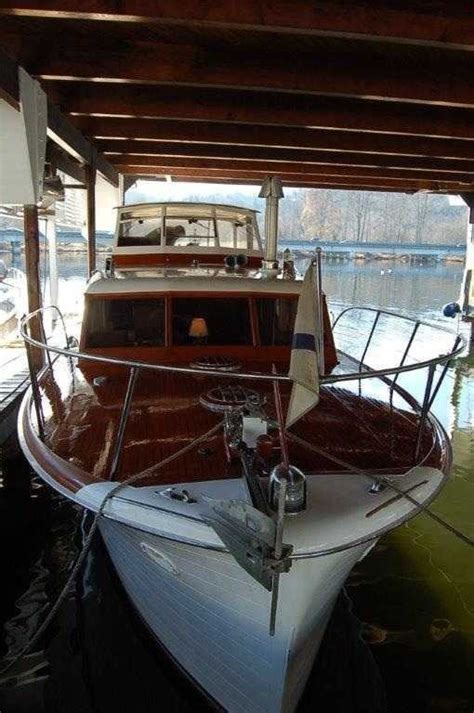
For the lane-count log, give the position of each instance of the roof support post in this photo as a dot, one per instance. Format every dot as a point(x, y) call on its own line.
point(53, 260)
point(90, 217)
point(32, 255)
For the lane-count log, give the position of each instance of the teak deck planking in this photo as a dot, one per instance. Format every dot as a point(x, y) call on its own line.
point(166, 415)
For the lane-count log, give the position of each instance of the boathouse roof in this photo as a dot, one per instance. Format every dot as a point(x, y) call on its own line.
point(374, 96)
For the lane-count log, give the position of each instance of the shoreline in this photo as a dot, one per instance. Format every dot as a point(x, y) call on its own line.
point(297, 254)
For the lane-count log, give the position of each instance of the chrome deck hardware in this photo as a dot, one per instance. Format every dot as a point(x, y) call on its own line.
point(295, 479)
point(230, 398)
point(220, 363)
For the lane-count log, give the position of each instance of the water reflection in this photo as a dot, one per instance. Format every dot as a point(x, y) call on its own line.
point(412, 289)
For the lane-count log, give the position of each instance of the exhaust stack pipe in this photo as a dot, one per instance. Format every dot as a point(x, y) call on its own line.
point(272, 191)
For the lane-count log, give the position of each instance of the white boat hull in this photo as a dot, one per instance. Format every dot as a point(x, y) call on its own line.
point(213, 618)
point(202, 605)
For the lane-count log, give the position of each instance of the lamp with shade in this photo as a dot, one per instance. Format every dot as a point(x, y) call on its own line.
point(198, 330)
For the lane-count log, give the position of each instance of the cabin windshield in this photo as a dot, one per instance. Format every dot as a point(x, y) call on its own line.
point(188, 226)
point(193, 321)
point(276, 320)
point(212, 321)
point(182, 232)
point(125, 323)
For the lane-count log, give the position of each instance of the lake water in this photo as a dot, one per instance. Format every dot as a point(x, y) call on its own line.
point(401, 638)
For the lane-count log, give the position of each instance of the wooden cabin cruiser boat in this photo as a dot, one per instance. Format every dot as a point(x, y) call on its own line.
point(232, 534)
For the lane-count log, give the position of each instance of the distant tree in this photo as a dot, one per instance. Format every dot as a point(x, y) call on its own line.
point(290, 215)
point(420, 201)
point(338, 215)
point(359, 211)
point(321, 216)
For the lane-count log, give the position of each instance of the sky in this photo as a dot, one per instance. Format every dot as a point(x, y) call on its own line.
point(165, 191)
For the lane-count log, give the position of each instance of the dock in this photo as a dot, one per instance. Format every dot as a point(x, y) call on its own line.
point(14, 380)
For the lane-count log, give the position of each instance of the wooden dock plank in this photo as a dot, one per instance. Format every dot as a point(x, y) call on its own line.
point(12, 388)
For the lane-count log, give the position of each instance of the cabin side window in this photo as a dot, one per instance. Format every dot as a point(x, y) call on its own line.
point(237, 234)
point(125, 323)
point(276, 320)
point(135, 231)
point(211, 321)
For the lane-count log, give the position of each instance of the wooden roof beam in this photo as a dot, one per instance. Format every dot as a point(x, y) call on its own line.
point(448, 25)
point(426, 78)
point(251, 182)
point(318, 178)
point(269, 108)
point(320, 182)
point(60, 129)
point(150, 152)
point(63, 162)
point(66, 135)
point(169, 164)
point(166, 130)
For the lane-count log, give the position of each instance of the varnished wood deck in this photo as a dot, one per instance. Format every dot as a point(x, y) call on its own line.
point(166, 415)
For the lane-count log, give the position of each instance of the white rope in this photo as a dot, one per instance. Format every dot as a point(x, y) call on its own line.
point(358, 471)
point(90, 536)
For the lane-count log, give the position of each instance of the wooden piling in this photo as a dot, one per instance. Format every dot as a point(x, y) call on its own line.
point(90, 217)
point(53, 260)
point(32, 256)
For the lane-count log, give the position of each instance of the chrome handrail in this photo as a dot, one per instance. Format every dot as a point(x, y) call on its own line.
point(388, 312)
point(458, 348)
point(134, 366)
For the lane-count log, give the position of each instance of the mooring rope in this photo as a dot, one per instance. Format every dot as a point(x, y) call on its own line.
point(90, 536)
point(358, 471)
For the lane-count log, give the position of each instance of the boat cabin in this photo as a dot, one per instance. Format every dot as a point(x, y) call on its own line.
point(178, 315)
point(182, 233)
point(186, 282)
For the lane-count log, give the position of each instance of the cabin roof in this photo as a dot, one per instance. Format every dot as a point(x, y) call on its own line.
point(195, 280)
point(187, 206)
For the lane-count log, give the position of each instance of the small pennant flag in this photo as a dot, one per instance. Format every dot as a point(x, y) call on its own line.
point(305, 352)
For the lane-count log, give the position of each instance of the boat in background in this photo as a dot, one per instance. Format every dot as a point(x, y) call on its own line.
point(231, 533)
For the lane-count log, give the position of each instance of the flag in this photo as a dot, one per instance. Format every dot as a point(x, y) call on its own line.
point(305, 352)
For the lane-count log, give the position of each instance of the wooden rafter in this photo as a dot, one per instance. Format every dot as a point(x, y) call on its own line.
point(425, 79)
point(150, 152)
point(269, 108)
point(61, 161)
point(319, 65)
point(306, 179)
point(276, 136)
point(169, 164)
point(448, 25)
point(296, 167)
point(288, 184)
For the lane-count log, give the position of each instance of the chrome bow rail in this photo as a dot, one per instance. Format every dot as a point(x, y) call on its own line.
point(33, 323)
